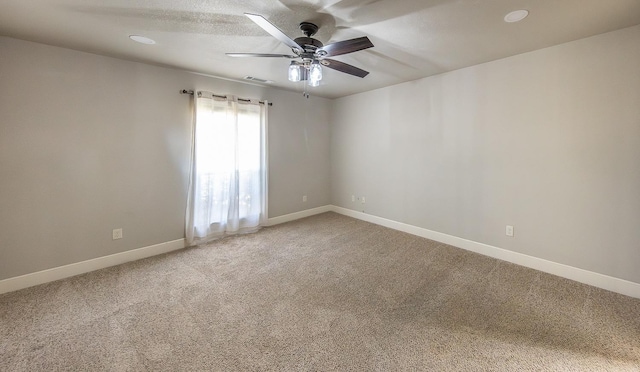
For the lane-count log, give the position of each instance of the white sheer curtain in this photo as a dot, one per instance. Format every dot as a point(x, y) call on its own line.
point(227, 190)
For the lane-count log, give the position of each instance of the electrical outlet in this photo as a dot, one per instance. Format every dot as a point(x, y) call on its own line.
point(509, 230)
point(117, 234)
point(363, 200)
point(304, 198)
point(353, 198)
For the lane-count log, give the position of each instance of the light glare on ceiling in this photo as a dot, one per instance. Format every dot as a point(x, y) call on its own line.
point(516, 16)
point(142, 39)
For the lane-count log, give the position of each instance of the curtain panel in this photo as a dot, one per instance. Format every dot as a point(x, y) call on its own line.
point(227, 184)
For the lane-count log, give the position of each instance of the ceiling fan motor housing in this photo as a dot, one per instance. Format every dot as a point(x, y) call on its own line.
point(309, 44)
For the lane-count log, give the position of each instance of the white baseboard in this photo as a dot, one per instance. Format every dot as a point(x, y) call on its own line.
point(298, 215)
point(66, 271)
point(610, 283)
point(56, 273)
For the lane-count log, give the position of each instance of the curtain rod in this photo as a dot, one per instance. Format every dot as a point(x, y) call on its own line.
point(190, 92)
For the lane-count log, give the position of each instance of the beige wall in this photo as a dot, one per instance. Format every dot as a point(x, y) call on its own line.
point(90, 143)
point(547, 141)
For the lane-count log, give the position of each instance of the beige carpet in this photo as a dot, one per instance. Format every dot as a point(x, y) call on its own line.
point(324, 293)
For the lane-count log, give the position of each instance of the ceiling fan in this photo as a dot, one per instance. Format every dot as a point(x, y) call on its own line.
point(310, 53)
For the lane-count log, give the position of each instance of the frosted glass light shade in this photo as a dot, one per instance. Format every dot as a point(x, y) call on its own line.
point(315, 73)
point(294, 71)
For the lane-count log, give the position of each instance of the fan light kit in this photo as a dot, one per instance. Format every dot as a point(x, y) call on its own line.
point(310, 53)
point(306, 71)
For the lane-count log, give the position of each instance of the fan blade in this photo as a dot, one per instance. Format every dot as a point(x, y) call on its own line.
point(273, 31)
point(260, 55)
point(344, 67)
point(347, 46)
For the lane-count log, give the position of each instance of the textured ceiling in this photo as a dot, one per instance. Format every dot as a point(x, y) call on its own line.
point(412, 38)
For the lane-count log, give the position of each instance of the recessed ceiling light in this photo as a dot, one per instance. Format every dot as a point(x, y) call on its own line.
point(516, 16)
point(142, 39)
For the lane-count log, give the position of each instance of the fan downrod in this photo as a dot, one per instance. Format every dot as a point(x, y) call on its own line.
point(308, 28)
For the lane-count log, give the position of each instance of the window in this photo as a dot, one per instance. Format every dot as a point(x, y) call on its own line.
point(228, 183)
